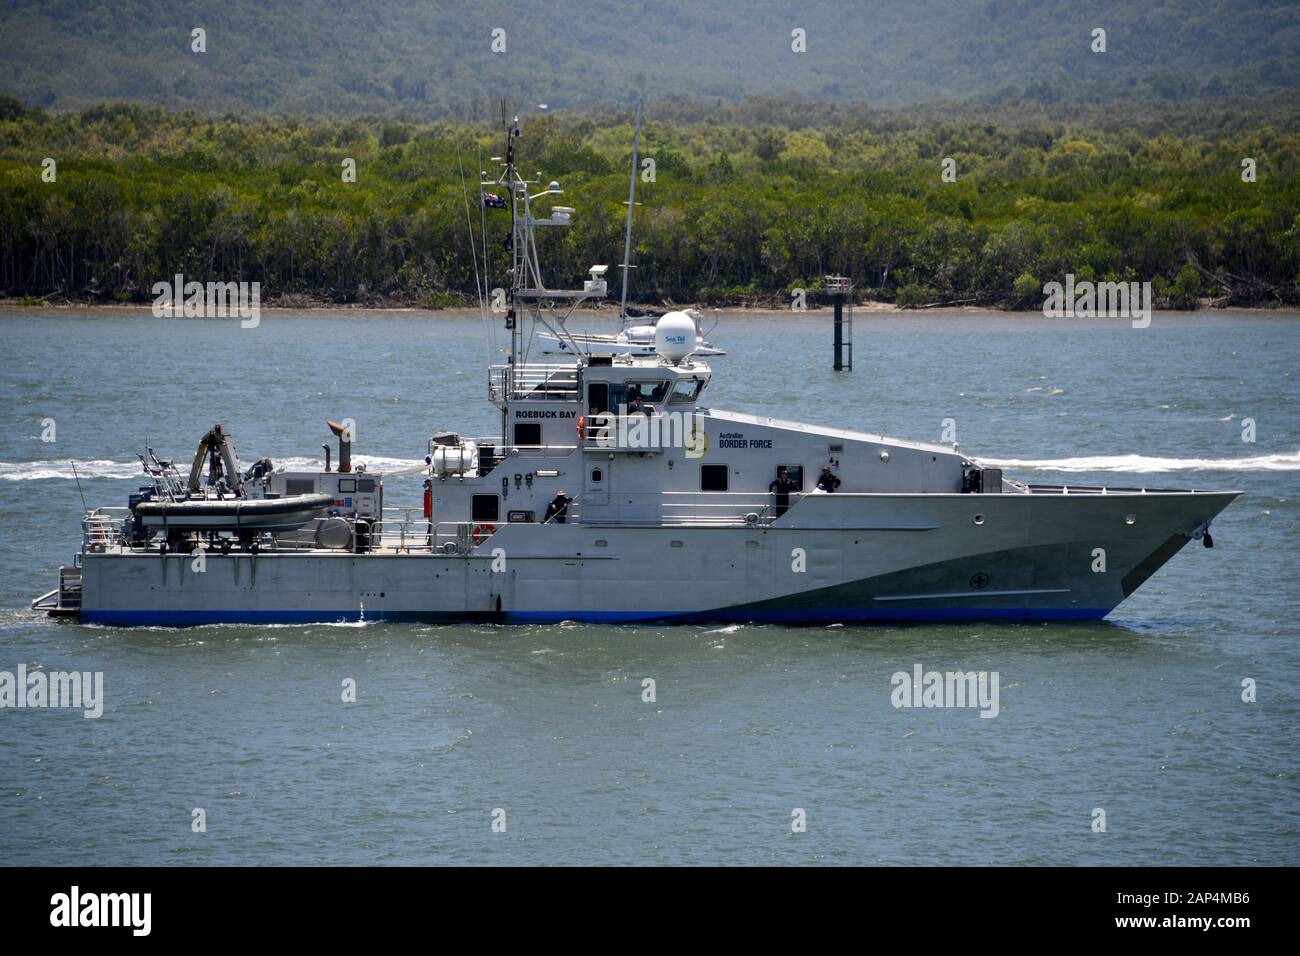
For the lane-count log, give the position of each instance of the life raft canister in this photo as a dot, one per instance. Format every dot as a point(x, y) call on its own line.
point(483, 532)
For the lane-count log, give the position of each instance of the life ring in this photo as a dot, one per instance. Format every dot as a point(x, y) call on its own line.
point(483, 531)
point(582, 428)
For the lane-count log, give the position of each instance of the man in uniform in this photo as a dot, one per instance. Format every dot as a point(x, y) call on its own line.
point(828, 481)
point(783, 486)
point(557, 509)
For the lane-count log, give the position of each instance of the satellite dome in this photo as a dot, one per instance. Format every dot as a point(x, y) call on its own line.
point(675, 336)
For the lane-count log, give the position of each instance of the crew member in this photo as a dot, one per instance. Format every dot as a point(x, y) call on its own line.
point(782, 486)
point(557, 509)
point(828, 481)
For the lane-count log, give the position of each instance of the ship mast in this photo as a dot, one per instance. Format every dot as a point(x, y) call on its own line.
point(627, 237)
point(515, 247)
point(529, 296)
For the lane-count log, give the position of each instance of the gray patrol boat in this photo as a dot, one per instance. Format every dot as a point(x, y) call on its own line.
point(615, 492)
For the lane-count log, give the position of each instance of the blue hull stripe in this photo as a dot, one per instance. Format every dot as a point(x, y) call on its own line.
point(177, 618)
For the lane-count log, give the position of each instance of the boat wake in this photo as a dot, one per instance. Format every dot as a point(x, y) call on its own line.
point(39, 470)
point(1142, 464)
point(101, 468)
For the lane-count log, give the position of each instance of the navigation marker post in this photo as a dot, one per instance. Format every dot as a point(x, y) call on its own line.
point(840, 289)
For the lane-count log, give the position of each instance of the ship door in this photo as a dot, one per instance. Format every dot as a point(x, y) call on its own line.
point(598, 474)
point(597, 483)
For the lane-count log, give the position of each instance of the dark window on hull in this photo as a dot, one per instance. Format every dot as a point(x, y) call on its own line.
point(713, 477)
point(485, 508)
point(528, 434)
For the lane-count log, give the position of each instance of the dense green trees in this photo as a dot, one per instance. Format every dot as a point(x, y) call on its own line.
point(738, 212)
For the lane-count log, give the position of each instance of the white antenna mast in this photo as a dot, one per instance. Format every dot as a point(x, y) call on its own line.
point(631, 202)
point(473, 254)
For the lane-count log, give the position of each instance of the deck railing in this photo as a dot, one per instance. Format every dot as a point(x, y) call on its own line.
point(102, 527)
point(538, 382)
point(408, 531)
point(412, 535)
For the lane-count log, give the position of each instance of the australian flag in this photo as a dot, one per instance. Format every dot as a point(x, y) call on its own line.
point(493, 201)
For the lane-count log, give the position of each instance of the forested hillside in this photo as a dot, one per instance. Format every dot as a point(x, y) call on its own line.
point(435, 59)
point(737, 212)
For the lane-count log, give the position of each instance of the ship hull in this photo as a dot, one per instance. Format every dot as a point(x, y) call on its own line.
point(833, 558)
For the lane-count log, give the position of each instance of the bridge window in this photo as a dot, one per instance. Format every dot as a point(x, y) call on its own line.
point(652, 393)
point(686, 390)
point(713, 477)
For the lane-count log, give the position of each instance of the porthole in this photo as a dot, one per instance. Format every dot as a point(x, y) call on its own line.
point(597, 476)
point(601, 543)
point(978, 519)
point(675, 544)
point(1130, 519)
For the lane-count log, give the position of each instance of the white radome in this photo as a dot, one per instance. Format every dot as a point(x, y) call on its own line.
point(675, 336)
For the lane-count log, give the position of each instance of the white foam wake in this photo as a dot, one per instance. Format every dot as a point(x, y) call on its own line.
point(101, 468)
point(386, 466)
point(1142, 464)
point(39, 470)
